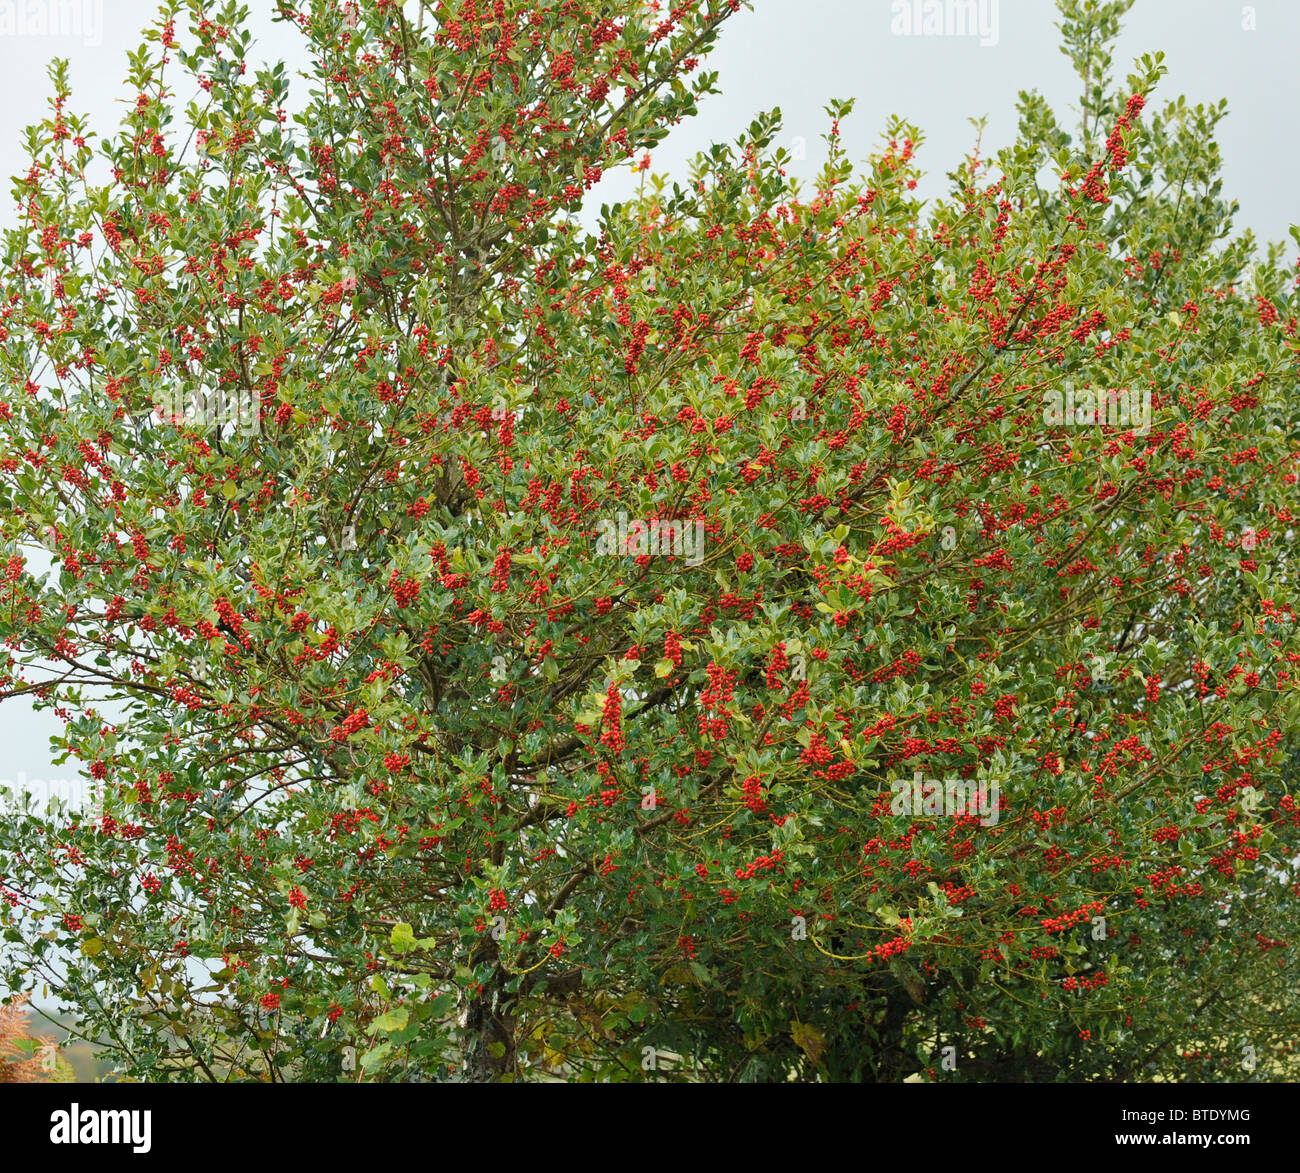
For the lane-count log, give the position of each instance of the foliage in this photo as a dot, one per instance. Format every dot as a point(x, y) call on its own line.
point(24, 1058)
point(420, 779)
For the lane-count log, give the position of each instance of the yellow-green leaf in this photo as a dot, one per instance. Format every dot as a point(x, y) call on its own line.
point(809, 1040)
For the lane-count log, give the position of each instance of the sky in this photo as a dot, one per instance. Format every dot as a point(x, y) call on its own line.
point(793, 54)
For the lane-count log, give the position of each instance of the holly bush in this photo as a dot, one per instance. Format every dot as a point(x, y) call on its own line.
point(504, 645)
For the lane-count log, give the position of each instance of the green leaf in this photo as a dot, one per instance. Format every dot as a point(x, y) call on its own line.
point(393, 1020)
point(441, 1005)
point(402, 938)
point(376, 1055)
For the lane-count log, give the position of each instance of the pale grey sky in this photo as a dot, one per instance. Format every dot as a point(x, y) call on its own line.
point(795, 54)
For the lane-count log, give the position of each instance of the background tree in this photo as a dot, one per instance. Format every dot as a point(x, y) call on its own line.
point(419, 779)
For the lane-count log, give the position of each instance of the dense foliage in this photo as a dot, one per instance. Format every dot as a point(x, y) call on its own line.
point(419, 775)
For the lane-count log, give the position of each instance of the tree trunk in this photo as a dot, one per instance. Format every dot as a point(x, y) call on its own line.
point(487, 1040)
